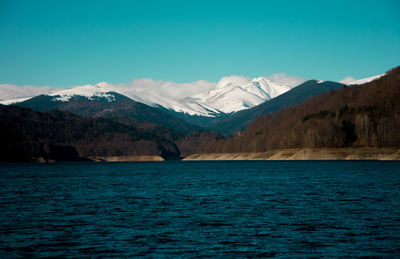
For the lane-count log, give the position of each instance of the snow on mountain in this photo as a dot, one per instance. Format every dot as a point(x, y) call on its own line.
point(232, 98)
point(352, 81)
point(230, 94)
point(88, 91)
point(12, 101)
point(238, 93)
point(169, 95)
point(191, 107)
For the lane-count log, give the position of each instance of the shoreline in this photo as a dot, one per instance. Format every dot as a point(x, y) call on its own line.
point(389, 154)
point(125, 158)
point(98, 159)
point(380, 154)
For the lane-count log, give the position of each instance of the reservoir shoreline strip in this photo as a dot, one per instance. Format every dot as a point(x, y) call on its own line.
point(305, 154)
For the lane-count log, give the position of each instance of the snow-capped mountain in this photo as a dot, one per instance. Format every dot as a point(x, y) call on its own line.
point(169, 95)
point(88, 91)
point(93, 101)
point(235, 93)
point(210, 99)
point(230, 94)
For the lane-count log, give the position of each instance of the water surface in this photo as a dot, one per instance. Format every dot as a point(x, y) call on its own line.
point(194, 209)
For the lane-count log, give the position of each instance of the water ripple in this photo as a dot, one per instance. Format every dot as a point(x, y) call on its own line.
point(200, 209)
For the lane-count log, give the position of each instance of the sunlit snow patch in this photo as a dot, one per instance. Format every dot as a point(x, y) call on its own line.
point(91, 92)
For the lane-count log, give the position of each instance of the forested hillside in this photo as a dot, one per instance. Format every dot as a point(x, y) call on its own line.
point(28, 135)
point(120, 107)
point(297, 95)
point(367, 115)
point(56, 135)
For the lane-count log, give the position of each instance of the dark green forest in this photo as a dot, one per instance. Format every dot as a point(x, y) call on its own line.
point(57, 135)
point(26, 135)
point(53, 130)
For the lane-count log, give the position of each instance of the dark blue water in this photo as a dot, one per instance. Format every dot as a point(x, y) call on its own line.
point(194, 209)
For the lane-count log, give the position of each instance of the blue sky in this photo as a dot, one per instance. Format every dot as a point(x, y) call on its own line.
point(63, 43)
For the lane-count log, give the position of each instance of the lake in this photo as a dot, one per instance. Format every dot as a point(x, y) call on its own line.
point(195, 209)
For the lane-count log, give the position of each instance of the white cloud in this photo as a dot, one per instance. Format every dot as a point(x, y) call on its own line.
point(147, 86)
point(234, 80)
point(348, 80)
point(10, 91)
point(150, 87)
point(285, 79)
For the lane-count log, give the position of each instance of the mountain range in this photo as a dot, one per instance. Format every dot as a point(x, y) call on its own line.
point(225, 107)
point(201, 98)
point(93, 101)
point(120, 120)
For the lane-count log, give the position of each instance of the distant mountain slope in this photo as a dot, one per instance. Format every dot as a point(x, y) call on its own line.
point(56, 135)
point(235, 93)
point(201, 121)
point(207, 99)
point(352, 81)
point(242, 119)
point(92, 101)
point(366, 115)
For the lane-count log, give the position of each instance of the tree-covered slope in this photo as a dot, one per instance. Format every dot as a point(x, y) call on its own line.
point(119, 106)
point(240, 120)
point(27, 134)
point(367, 115)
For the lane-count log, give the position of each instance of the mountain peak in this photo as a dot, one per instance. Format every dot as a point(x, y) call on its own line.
point(88, 91)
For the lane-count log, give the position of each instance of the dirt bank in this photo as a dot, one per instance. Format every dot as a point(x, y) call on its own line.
point(307, 154)
point(127, 158)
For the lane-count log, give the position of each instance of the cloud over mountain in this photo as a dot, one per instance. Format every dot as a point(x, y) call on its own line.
point(9, 92)
point(230, 94)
